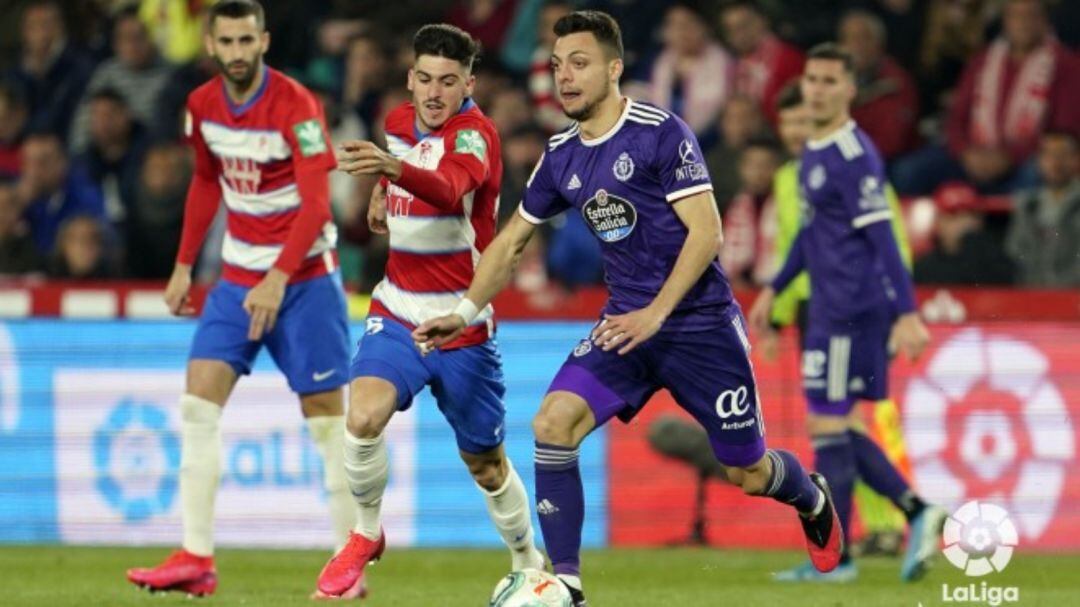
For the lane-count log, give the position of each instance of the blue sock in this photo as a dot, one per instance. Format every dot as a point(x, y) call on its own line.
point(834, 458)
point(881, 475)
point(560, 504)
point(790, 484)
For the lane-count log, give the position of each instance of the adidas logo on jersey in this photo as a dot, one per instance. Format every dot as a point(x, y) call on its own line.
point(575, 183)
point(546, 507)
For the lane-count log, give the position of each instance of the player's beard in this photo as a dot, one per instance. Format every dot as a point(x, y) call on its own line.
point(589, 108)
point(243, 81)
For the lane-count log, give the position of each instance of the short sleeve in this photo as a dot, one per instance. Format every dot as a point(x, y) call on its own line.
point(205, 164)
point(678, 161)
point(542, 199)
point(307, 135)
point(863, 192)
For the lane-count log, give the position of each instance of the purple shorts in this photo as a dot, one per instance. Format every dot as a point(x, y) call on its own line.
point(707, 372)
point(840, 368)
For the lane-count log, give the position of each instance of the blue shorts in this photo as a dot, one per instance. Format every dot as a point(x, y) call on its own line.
point(309, 343)
point(707, 372)
point(843, 366)
point(467, 383)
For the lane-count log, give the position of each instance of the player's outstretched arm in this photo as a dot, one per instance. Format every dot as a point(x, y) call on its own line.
point(794, 264)
point(698, 213)
point(493, 272)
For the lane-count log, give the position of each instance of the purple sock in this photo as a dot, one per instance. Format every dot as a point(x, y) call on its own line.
point(881, 475)
point(834, 458)
point(560, 504)
point(790, 483)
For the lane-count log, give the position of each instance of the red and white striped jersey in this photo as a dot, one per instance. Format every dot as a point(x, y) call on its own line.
point(436, 241)
point(254, 152)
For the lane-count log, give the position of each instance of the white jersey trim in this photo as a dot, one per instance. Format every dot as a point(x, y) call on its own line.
point(415, 308)
point(265, 203)
point(864, 220)
point(430, 235)
point(690, 191)
point(257, 145)
point(260, 258)
point(831, 138)
point(613, 130)
point(529, 217)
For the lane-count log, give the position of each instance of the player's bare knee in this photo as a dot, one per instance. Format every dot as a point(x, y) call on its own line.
point(322, 404)
point(488, 472)
point(210, 380)
point(819, 425)
point(561, 421)
point(364, 423)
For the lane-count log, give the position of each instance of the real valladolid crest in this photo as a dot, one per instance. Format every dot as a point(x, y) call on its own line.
point(980, 539)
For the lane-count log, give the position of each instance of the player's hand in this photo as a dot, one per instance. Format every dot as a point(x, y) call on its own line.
point(359, 157)
point(769, 344)
point(762, 310)
point(627, 330)
point(909, 336)
point(177, 292)
point(438, 332)
point(263, 302)
point(376, 212)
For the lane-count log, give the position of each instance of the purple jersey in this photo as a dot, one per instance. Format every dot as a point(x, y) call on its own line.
point(623, 184)
point(842, 180)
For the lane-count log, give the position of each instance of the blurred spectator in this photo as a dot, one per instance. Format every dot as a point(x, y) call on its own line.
point(175, 26)
point(692, 74)
point(1023, 84)
point(168, 123)
point(114, 156)
point(13, 119)
point(156, 217)
point(637, 20)
point(17, 252)
point(80, 251)
point(741, 120)
point(573, 255)
point(964, 252)
point(747, 254)
point(1044, 233)
point(545, 104)
point(51, 73)
point(954, 33)
point(487, 21)
point(765, 63)
point(52, 189)
point(886, 105)
point(364, 78)
point(905, 23)
point(137, 72)
point(794, 126)
point(509, 110)
point(521, 152)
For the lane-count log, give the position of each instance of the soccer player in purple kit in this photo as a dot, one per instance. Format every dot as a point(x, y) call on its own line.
point(862, 307)
point(635, 173)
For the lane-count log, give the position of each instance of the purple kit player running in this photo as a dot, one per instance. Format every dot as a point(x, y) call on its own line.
point(861, 302)
point(635, 174)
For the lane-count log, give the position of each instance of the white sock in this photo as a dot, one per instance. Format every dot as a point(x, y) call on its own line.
point(509, 509)
point(367, 469)
point(328, 432)
point(200, 471)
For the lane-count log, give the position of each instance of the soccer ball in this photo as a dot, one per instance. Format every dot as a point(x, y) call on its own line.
point(530, 588)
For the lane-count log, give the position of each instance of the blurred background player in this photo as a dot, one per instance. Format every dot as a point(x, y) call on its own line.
point(260, 144)
point(882, 522)
point(637, 175)
point(861, 306)
point(441, 179)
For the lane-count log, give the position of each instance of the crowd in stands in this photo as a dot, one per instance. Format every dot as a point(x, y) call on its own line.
point(974, 104)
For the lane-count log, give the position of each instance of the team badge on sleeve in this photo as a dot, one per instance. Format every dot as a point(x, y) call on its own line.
point(310, 136)
point(469, 141)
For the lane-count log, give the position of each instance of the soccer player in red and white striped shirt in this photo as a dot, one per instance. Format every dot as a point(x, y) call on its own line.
point(260, 147)
point(442, 178)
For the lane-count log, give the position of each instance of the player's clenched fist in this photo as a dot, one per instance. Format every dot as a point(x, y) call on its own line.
point(762, 310)
point(438, 332)
point(365, 158)
point(909, 336)
point(177, 291)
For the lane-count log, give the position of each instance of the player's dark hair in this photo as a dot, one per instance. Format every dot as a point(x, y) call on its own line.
point(445, 40)
point(830, 51)
point(238, 9)
point(599, 24)
point(109, 94)
point(790, 96)
point(750, 5)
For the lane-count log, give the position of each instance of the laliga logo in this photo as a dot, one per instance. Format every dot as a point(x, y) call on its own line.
point(979, 538)
point(986, 421)
point(136, 460)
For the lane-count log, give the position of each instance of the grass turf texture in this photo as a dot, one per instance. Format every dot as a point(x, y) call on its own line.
point(53, 575)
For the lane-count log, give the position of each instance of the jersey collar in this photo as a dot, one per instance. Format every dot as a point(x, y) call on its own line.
point(236, 110)
point(826, 141)
point(467, 105)
point(611, 132)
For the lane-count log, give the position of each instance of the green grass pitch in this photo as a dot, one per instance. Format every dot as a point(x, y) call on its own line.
point(45, 576)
